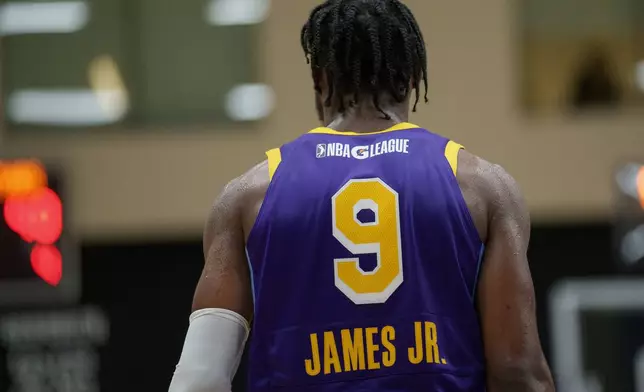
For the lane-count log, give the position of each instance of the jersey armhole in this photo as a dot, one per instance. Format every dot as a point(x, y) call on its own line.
point(451, 154)
point(274, 159)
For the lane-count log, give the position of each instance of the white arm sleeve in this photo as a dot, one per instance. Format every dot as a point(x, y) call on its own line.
point(211, 352)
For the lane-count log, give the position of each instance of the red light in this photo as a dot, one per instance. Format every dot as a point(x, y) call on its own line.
point(36, 217)
point(639, 183)
point(47, 262)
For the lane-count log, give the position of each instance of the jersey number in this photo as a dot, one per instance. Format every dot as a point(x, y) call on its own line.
point(380, 236)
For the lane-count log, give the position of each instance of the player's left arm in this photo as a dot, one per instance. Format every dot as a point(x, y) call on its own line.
point(222, 304)
point(225, 279)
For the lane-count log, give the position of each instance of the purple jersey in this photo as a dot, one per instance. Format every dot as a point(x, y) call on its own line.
point(364, 260)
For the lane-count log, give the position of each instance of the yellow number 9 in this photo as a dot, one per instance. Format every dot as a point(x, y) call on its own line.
point(380, 237)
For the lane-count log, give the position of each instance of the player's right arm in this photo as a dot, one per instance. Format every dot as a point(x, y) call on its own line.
point(505, 297)
point(222, 304)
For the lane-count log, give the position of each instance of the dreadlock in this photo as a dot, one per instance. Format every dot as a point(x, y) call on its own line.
point(366, 47)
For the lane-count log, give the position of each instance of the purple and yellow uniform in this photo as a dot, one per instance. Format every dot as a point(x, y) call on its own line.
point(364, 260)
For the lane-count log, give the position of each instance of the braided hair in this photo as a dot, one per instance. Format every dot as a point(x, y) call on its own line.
point(365, 48)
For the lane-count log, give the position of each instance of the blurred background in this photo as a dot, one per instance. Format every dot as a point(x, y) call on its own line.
point(122, 119)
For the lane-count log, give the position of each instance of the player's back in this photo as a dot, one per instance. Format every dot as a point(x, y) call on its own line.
point(364, 260)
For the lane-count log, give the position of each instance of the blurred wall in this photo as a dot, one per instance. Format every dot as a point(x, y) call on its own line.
point(157, 183)
point(554, 64)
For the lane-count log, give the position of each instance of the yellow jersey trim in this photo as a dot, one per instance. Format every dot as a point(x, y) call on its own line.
point(397, 127)
point(451, 153)
point(274, 159)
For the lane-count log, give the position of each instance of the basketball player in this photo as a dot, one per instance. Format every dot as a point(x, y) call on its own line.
point(370, 254)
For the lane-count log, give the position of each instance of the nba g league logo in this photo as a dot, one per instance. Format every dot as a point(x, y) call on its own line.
point(342, 150)
point(345, 150)
point(320, 151)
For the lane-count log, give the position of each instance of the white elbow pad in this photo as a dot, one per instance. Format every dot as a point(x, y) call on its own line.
point(211, 352)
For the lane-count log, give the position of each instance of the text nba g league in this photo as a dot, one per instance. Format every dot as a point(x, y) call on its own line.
point(362, 152)
point(369, 348)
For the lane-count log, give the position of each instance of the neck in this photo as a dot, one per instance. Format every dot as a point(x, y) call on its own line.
point(365, 118)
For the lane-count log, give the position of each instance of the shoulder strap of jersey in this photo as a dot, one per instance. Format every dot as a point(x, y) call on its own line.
point(274, 159)
point(451, 153)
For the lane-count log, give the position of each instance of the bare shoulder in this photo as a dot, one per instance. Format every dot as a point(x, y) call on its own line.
point(225, 279)
point(250, 185)
point(489, 191)
point(240, 199)
point(254, 184)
